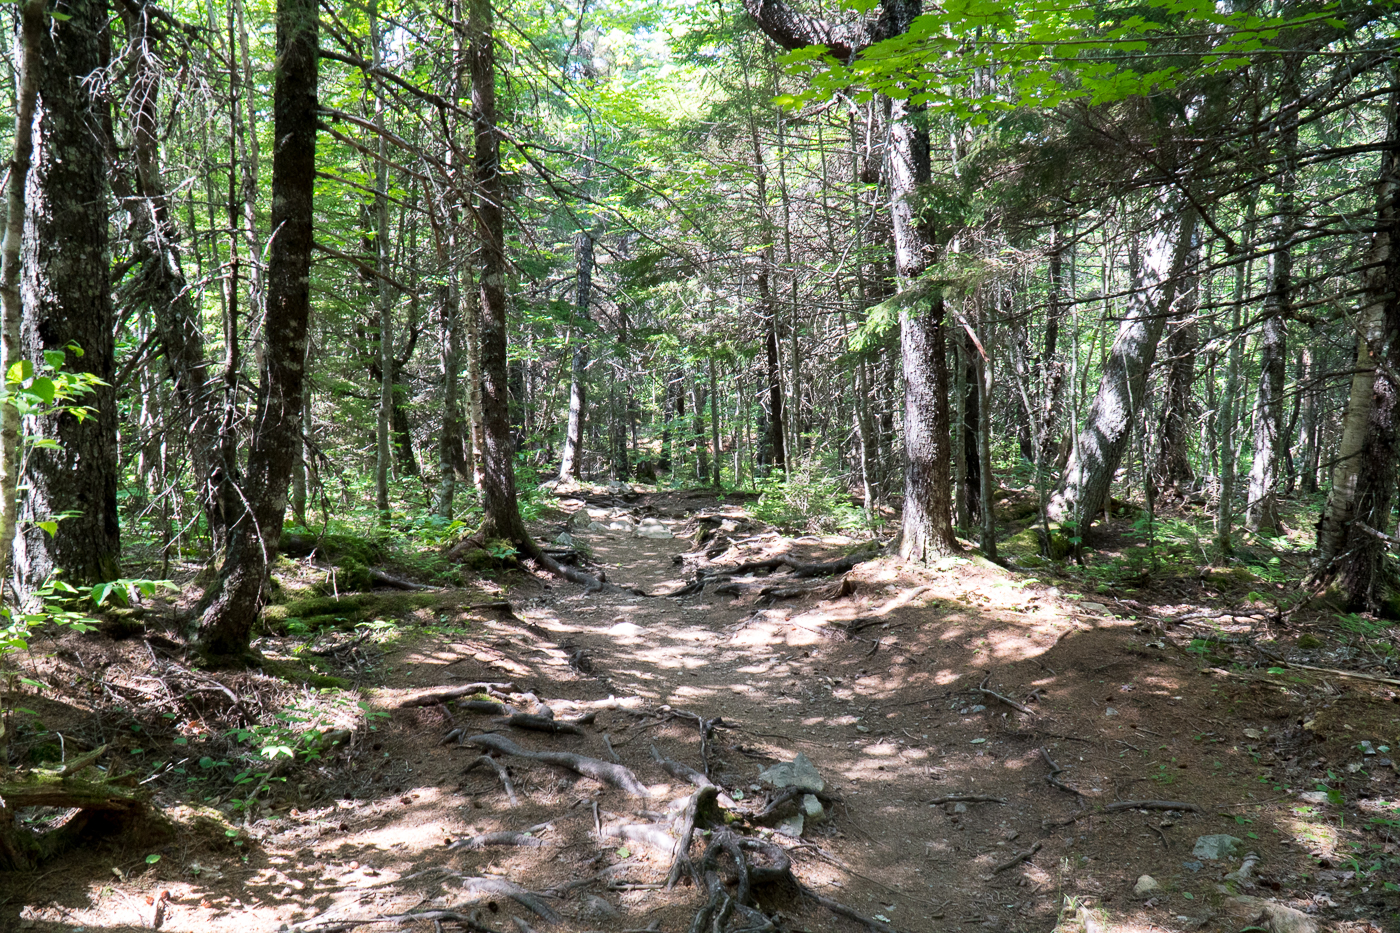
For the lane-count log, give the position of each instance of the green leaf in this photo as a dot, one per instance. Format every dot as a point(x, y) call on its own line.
point(153, 858)
point(55, 358)
point(624, 852)
point(44, 388)
point(50, 527)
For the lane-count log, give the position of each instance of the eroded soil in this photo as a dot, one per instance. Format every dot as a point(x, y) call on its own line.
point(881, 681)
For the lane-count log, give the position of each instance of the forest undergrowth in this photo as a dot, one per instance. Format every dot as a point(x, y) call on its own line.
point(438, 736)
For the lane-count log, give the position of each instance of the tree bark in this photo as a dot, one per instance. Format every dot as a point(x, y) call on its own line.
point(1261, 510)
point(578, 369)
point(230, 607)
point(67, 301)
point(1083, 490)
point(1174, 471)
point(384, 296)
point(1364, 472)
point(498, 447)
point(30, 34)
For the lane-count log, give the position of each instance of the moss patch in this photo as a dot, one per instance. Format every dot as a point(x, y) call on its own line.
point(298, 672)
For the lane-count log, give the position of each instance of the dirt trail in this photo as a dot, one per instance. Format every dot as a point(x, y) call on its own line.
point(893, 716)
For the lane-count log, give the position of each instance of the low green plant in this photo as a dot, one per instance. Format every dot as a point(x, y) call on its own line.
point(807, 498)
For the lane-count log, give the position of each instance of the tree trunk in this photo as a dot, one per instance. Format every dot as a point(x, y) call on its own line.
point(498, 448)
point(972, 428)
point(1052, 369)
point(1364, 472)
point(578, 387)
point(1261, 510)
point(1173, 456)
point(67, 300)
point(230, 607)
point(1083, 490)
point(30, 34)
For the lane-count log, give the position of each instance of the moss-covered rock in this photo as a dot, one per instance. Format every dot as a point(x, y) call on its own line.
point(1229, 576)
point(1033, 542)
point(1309, 640)
point(333, 547)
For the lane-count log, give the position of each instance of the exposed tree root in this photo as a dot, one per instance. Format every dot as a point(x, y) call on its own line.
point(525, 898)
point(606, 772)
point(434, 697)
point(501, 773)
point(524, 840)
point(799, 568)
point(964, 798)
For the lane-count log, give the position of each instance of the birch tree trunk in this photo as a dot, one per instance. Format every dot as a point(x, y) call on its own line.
point(1083, 490)
point(1349, 549)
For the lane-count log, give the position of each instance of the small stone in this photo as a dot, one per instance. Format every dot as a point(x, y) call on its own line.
point(1309, 641)
point(1146, 885)
point(979, 708)
point(1367, 748)
point(565, 539)
point(1216, 846)
point(812, 809)
point(1279, 918)
point(1313, 796)
point(792, 826)
point(959, 808)
point(1193, 866)
point(1094, 607)
point(800, 772)
point(1110, 711)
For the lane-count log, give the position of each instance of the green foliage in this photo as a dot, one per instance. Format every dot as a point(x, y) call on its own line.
point(808, 498)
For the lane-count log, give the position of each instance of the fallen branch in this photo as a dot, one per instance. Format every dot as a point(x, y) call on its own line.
point(1153, 805)
point(1053, 777)
point(850, 913)
point(1016, 859)
point(964, 798)
point(603, 771)
point(384, 579)
point(1019, 707)
point(435, 697)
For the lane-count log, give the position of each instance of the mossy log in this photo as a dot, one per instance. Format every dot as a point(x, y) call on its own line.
point(98, 810)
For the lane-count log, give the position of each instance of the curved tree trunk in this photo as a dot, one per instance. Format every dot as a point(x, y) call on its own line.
point(1084, 489)
point(67, 300)
point(230, 607)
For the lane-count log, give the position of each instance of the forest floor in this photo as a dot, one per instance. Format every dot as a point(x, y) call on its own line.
point(1053, 699)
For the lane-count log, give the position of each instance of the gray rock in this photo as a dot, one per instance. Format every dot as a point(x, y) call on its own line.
point(1313, 796)
point(959, 808)
point(597, 526)
point(565, 539)
point(792, 826)
point(595, 908)
point(1094, 607)
point(1146, 885)
point(1217, 846)
point(1110, 711)
point(800, 772)
point(812, 809)
point(1193, 866)
point(651, 528)
point(1279, 918)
